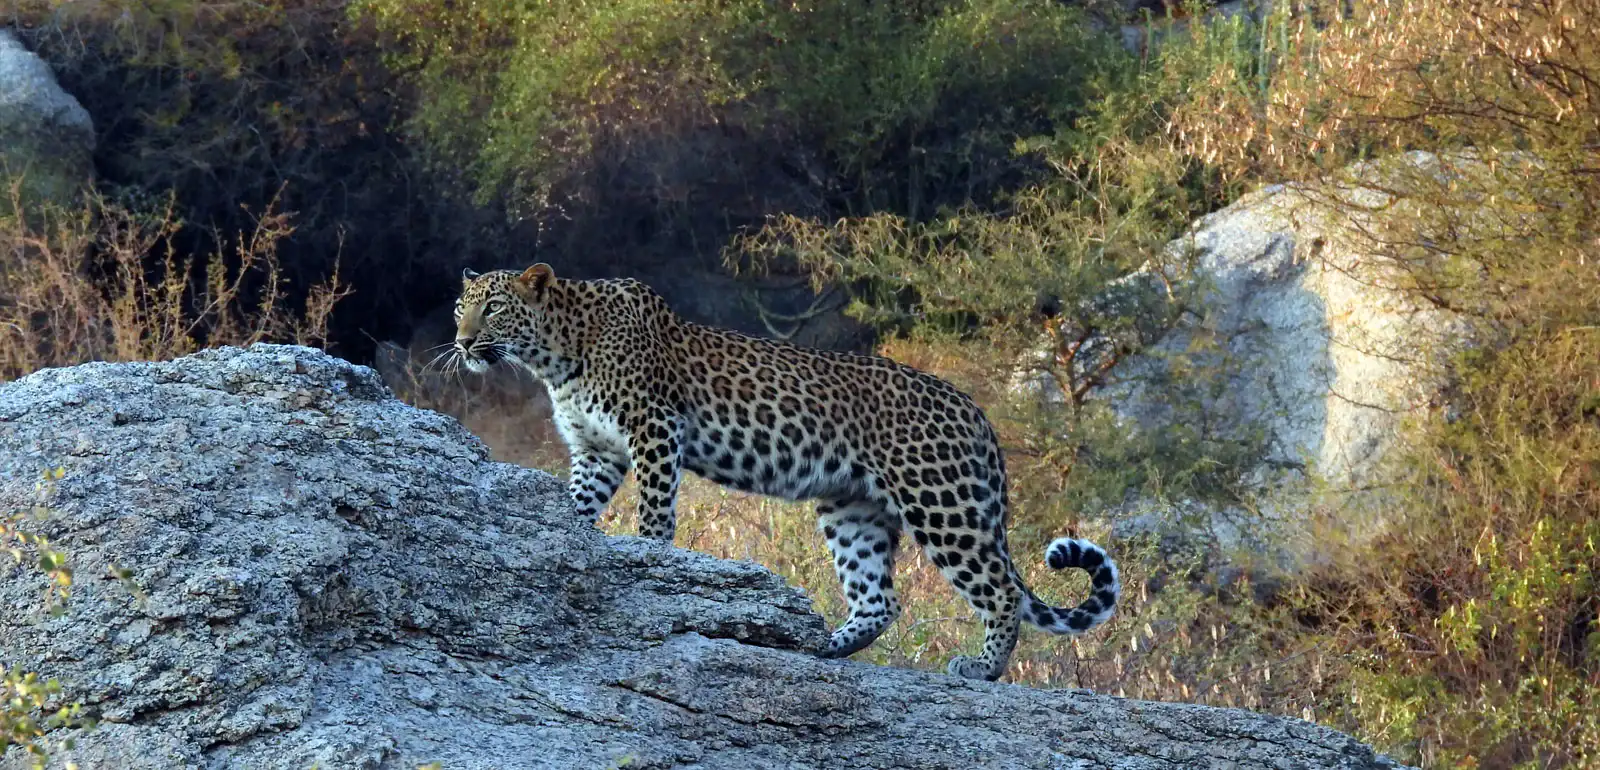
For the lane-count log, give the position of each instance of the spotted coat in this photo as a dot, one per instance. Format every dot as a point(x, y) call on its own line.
point(884, 449)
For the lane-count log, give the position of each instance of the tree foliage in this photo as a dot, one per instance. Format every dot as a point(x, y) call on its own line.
point(522, 95)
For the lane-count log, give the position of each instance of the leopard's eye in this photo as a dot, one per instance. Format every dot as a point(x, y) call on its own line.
point(459, 311)
point(493, 307)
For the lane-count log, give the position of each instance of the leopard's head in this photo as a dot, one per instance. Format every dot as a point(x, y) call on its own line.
point(504, 315)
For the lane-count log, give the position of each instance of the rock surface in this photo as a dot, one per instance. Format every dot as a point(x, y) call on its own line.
point(46, 136)
point(332, 578)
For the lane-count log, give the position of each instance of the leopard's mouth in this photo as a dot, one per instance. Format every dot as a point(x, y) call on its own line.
point(479, 358)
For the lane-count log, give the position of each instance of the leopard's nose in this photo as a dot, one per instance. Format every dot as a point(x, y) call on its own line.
point(465, 342)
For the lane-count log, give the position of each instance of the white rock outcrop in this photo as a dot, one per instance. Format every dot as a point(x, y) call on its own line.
point(1323, 358)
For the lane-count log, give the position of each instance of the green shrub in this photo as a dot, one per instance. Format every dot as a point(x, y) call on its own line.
point(918, 105)
point(513, 92)
point(1470, 631)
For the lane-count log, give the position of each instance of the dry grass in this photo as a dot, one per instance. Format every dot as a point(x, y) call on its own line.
point(507, 409)
point(106, 283)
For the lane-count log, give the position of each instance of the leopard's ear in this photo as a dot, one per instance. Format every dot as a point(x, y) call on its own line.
point(468, 274)
point(537, 278)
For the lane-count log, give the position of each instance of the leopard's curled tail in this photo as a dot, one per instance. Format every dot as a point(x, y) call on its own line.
point(1072, 552)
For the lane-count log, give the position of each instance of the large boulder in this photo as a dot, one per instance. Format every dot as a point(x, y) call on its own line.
point(323, 576)
point(1323, 357)
point(46, 137)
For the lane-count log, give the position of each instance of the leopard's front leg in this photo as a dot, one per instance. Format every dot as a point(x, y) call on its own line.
point(594, 479)
point(656, 444)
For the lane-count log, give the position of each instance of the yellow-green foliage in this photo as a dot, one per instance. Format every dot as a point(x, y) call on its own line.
point(511, 90)
point(30, 706)
point(1472, 631)
point(27, 713)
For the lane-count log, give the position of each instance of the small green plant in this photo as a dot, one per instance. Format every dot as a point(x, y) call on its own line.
point(24, 546)
point(30, 706)
point(26, 715)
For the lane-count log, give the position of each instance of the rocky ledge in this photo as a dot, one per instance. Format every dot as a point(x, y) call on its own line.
point(327, 577)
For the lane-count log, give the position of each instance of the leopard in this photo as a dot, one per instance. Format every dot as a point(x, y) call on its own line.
point(881, 449)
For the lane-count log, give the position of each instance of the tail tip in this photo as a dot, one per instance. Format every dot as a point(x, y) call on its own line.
point(1067, 552)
